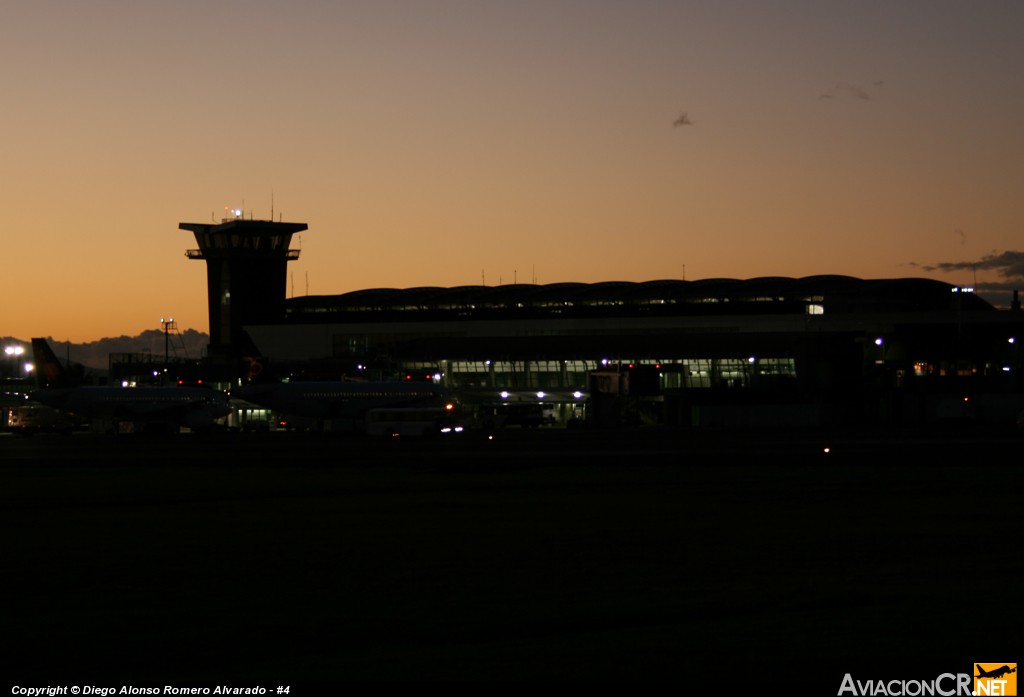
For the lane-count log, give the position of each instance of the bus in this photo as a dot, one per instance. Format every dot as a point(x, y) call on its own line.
point(522, 414)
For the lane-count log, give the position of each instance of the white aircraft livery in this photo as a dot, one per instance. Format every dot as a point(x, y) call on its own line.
point(194, 407)
point(338, 400)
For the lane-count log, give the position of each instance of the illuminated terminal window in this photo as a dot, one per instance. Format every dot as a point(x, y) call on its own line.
point(776, 366)
point(470, 373)
point(921, 369)
point(688, 373)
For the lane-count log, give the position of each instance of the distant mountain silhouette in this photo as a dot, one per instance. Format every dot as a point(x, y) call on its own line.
point(95, 355)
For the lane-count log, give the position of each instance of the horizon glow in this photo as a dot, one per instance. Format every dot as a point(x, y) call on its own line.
point(449, 142)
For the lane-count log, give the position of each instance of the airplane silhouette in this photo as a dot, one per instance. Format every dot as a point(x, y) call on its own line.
point(194, 407)
point(994, 673)
point(683, 120)
point(333, 399)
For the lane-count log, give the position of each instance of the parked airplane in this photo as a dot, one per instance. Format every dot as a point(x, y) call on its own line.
point(338, 400)
point(335, 400)
point(194, 407)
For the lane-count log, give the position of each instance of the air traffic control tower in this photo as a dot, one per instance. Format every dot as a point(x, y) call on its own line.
point(246, 272)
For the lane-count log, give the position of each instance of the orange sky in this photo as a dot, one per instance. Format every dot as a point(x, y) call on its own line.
point(433, 142)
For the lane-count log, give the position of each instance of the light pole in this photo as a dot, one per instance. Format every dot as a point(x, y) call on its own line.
point(169, 324)
point(15, 353)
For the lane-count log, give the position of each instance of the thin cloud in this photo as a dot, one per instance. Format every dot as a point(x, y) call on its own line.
point(858, 92)
point(1008, 264)
point(845, 89)
point(993, 287)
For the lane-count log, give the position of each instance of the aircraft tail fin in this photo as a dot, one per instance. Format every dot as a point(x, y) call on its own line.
point(256, 370)
point(49, 371)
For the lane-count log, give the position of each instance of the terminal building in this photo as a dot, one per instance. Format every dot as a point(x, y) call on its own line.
point(718, 352)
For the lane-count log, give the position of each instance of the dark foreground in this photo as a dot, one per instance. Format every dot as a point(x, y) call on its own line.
point(721, 559)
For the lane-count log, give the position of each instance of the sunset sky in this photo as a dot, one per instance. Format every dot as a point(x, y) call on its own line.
point(450, 142)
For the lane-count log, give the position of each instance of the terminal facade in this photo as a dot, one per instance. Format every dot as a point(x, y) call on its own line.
point(719, 352)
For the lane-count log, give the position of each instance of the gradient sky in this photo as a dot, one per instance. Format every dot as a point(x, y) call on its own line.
point(445, 142)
